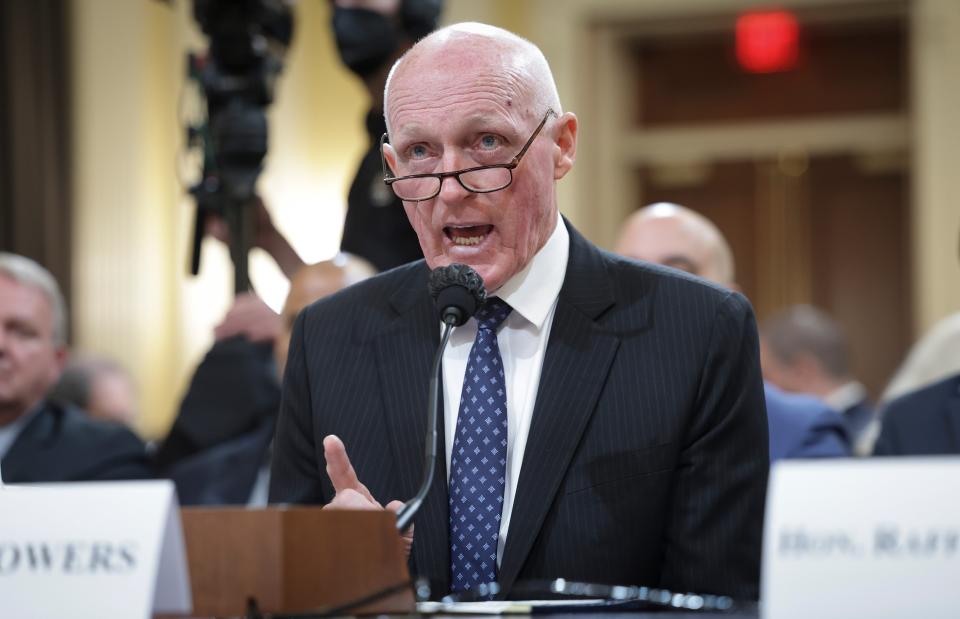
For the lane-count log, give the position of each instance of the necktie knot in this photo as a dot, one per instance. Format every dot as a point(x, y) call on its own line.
point(492, 313)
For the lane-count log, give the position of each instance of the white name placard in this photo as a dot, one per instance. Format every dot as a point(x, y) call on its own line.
point(877, 538)
point(109, 549)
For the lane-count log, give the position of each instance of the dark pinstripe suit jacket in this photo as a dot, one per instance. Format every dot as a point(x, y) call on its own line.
point(647, 457)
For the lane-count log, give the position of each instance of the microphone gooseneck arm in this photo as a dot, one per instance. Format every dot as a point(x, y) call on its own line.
point(457, 292)
point(410, 508)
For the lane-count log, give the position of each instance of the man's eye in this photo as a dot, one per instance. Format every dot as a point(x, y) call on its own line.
point(489, 141)
point(417, 151)
point(23, 331)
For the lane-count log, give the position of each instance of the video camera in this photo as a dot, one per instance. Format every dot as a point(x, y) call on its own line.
point(248, 39)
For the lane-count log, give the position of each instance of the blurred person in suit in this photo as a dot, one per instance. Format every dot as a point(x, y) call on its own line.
point(99, 386)
point(627, 432)
point(678, 237)
point(42, 440)
point(804, 350)
point(925, 421)
point(218, 446)
point(370, 36)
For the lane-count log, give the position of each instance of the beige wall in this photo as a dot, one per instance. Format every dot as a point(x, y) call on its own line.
point(125, 286)
point(935, 35)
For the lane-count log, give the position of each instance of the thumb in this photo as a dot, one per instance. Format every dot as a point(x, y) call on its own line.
point(394, 506)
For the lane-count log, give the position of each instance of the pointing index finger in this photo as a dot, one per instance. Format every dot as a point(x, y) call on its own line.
point(340, 469)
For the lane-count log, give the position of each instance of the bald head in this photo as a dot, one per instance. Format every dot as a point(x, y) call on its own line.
point(500, 59)
point(675, 236)
point(315, 282)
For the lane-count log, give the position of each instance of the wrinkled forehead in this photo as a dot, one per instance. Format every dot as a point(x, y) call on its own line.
point(463, 76)
point(26, 303)
point(23, 296)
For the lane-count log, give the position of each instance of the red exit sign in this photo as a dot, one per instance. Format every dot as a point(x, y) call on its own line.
point(767, 41)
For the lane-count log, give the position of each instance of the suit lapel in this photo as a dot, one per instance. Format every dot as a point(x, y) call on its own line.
point(575, 367)
point(405, 353)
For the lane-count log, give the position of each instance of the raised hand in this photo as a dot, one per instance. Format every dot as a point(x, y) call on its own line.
point(350, 493)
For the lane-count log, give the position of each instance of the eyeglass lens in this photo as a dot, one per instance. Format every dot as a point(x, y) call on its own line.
point(484, 180)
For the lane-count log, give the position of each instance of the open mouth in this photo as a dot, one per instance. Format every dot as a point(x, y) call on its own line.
point(467, 235)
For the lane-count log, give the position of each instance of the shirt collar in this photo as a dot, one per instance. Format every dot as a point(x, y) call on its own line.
point(532, 292)
point(846, 396)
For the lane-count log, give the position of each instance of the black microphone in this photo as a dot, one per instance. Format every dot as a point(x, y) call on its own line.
point(458, 292)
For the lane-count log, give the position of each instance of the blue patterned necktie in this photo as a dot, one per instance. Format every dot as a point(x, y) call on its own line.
point(478, 465)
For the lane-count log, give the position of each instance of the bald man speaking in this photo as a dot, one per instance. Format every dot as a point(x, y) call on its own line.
point(603, 420)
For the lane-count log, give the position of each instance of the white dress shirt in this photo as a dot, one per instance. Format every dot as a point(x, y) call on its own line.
point(532, 293)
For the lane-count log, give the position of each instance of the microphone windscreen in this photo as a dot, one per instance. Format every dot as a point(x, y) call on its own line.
point(459, 288)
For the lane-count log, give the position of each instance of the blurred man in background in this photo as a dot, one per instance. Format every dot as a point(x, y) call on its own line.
point(41, 440)
point(803, 350)
point(100, 386)
point(675, 236)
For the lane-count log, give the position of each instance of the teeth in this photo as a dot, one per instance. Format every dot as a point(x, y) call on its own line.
point(467, 240)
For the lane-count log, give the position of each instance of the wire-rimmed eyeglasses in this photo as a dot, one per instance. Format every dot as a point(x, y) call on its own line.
point(479, 179)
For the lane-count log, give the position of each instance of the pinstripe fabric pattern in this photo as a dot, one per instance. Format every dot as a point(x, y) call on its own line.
point(647, 456)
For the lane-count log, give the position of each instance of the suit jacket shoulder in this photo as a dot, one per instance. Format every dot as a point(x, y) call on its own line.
point(803, 427)
point(924, 422)
point(650, 411)
point(65, 444)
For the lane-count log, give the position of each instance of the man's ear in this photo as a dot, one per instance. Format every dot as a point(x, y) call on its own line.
point(565, 137)
point(60, 357)
point(390, 156)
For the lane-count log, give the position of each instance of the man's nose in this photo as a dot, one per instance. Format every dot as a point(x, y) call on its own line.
point(450, 188)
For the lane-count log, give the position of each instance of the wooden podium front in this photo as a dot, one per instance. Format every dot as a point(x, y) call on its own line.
point(293, 559)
